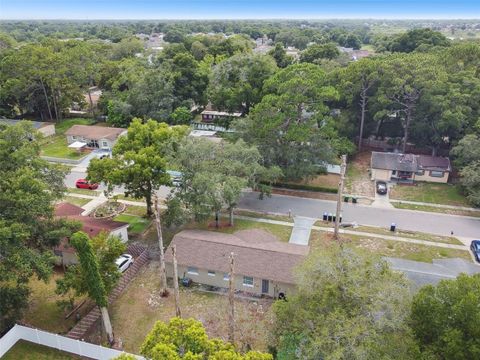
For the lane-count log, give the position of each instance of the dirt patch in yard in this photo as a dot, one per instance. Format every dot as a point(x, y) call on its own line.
point(358, 178)
point(140, 306)
point(305, 194)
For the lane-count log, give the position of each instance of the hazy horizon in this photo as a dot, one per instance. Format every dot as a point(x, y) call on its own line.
point(239, 10)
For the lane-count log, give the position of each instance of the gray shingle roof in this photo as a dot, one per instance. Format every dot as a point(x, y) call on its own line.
point(394, 161)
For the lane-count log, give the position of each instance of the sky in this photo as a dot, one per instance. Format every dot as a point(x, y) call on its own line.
point(239, 9)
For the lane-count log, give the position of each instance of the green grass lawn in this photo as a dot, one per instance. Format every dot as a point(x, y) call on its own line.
point(43, 311)
point(430, 193)
point(76, 201)
point(137, 224)
point(136, 210)
point(390, 248)
point(436, 209)
point(84, 191)
point(57, 147)
point(25, 350)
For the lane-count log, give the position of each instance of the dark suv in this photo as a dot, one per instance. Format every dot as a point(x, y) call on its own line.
point(475, 247)
point(382, 187)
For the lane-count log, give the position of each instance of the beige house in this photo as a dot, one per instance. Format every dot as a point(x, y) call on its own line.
point(263, 264)
point(46, 128)
point(64, 252)
point(95, 137)
point(409, 167)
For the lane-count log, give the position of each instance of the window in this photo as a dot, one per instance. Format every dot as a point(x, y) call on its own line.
point(226, 277)
point(211, 273)
point(394, 172)
point(420, 172)
point(192, 270)
point(74, 137)
point(105, 144)
point(436, 174)
point(248, 281)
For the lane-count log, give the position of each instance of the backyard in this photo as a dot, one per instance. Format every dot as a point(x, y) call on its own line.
point(135, 312)
point(445, 194)
point(24, 350)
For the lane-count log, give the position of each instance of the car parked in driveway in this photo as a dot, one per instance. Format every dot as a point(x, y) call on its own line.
point(124, 261)
point(381, 187)
point(84, 184)
point(475, 247)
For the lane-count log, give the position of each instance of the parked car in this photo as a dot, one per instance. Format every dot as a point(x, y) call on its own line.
point(84, 184)
point(176, 177)
point(382, 187)
point(104, 156)
point(124, 262)
point(475, 247)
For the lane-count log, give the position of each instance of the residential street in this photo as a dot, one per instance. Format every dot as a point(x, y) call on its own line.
point(433, 223)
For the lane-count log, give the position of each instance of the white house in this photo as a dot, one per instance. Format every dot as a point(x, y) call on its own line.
point(94, 137)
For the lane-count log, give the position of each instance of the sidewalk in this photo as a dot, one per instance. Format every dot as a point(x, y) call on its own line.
point(361, 233)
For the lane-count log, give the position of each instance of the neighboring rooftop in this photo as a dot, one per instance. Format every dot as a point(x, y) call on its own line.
point(426, 162)
point(257, 253)
point(95, 132)
point(394, 161)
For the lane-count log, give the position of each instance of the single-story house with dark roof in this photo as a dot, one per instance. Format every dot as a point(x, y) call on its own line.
point(263, 264)
point(95, 137)
point(91, 226)
point(387, 166)
point(46, 128)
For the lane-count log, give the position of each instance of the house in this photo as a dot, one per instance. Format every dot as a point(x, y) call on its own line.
point(388, 166)
point(46, 128)
point(96, 137)
point(91, 226)
point(263, 264)
point(210, 116)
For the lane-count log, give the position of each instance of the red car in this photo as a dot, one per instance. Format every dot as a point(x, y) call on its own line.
point(84, 184)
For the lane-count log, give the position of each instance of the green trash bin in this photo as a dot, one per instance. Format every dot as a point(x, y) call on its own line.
point(354, 200)
point(346, 198)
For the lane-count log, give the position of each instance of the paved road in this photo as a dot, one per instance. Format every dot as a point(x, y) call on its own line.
point(434, 223)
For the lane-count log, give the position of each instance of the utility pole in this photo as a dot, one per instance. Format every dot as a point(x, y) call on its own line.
point(340, 193)
point(163, 275)
point(176, 293)
point(231, 313)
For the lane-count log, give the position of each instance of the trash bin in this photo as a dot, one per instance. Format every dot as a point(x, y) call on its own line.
point(330, 217)
point(392, 227)
point(354, 200)
point(340, 220)
point(325, 216)
point(346, 198)
point(334, 218)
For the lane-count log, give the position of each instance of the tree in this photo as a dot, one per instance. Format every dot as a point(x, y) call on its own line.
point(236, 84)
point(467, 158)
point(213, 178)
point(181, 116)
point(280, 56)
point(348, 305)
point(413, 39)
point(90, 270)
point(187, 339)
point(139, 159)
point(29, 187)
point(358, 80)
point(289, 126)
point(106, 250)
point(404, 79)
point(445, 318)
point(316, 52)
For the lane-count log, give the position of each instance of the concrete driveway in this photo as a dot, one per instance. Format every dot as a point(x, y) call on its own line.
point(83, 165)
point(302, 226)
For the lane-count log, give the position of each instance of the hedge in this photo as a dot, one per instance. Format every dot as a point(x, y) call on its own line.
point(305, 187)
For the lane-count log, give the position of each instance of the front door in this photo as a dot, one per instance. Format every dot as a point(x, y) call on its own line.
point(265, 284)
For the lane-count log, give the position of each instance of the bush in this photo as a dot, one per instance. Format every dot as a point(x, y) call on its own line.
point(306, 187)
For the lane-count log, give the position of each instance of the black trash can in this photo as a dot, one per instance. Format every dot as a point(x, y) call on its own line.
point(334, 218)
point(392, 227)
point(325, 216)
point(346, 198)
point(330, 217)
point(354, 200)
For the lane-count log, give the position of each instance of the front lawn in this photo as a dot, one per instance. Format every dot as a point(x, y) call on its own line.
point(76, 200)
point(135, 312)
point(430, 193)
point(25, 350)
point(137, 224)
point(84, 191)
point(390, 248)
point(57, 147)
point(436, 209)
